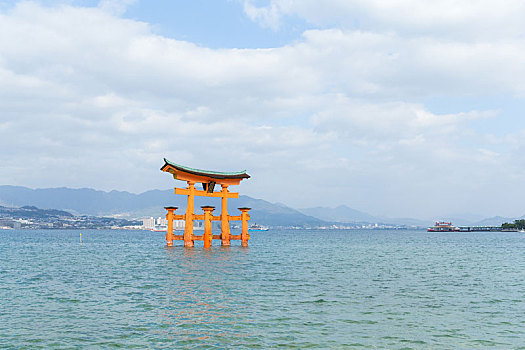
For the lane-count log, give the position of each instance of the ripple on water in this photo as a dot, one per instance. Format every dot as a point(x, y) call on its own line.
point(294, 289)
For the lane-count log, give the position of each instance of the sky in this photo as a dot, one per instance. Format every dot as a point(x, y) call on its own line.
point(399, 108)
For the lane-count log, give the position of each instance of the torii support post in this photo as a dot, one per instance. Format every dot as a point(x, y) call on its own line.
point(169, 233)
point(225, 222)
point(208, 213)
point(188, 228)
point(244, 234)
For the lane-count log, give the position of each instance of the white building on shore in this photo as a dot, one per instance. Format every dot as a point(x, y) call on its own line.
point(151, 223)
point(148, 224)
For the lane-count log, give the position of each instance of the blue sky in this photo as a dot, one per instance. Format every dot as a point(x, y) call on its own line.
point(226, 25)
point(396, 108)
point(214, 24)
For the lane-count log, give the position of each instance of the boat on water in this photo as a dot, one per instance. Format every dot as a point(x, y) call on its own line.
point(443, 226)
point(255, 227)
point(159, 229)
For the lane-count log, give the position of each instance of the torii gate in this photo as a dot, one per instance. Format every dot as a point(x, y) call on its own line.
point(208, 179)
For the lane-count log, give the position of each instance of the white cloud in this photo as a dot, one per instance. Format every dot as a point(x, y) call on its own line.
point(267, 16)
point(115, 7)
point(464, 20)
point(95, 100)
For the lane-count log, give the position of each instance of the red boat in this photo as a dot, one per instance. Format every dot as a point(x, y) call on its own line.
point(443, 226)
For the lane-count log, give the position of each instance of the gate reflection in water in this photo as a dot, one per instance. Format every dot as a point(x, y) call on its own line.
point(206, 297)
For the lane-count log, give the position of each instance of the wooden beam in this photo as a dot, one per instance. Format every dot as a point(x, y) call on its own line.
point(238, 236)
point(178, 175)
point(237, 217)
point(185, 191)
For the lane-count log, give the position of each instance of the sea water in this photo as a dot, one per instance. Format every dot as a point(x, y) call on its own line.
point(294, 289)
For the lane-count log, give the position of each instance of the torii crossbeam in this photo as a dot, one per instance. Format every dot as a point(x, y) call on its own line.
point(208, 179)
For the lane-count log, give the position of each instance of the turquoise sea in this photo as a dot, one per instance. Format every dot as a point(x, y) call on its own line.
point(290, 289)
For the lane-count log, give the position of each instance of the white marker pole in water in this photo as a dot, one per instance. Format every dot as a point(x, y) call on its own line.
point(80, 237)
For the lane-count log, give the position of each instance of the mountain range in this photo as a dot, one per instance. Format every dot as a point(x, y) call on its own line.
point(86, 201)
point(341, 213)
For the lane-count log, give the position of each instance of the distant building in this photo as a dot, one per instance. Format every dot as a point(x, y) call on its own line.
point(161, 222)
point(179, 224)
point(148, 223)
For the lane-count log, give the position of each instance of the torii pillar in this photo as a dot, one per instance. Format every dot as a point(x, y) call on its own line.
point(225, 222)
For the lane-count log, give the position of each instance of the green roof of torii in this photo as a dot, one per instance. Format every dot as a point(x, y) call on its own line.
point(209, 173)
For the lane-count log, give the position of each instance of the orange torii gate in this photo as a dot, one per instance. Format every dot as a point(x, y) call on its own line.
point(208, 179)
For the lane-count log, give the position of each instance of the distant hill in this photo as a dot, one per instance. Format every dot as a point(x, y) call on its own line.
point(407, 221)
point(123, 204)
point(32, 212)
point(345, 214)
point(126, 205)
point(493, 221)
point(341, 213)
point(81, 201)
